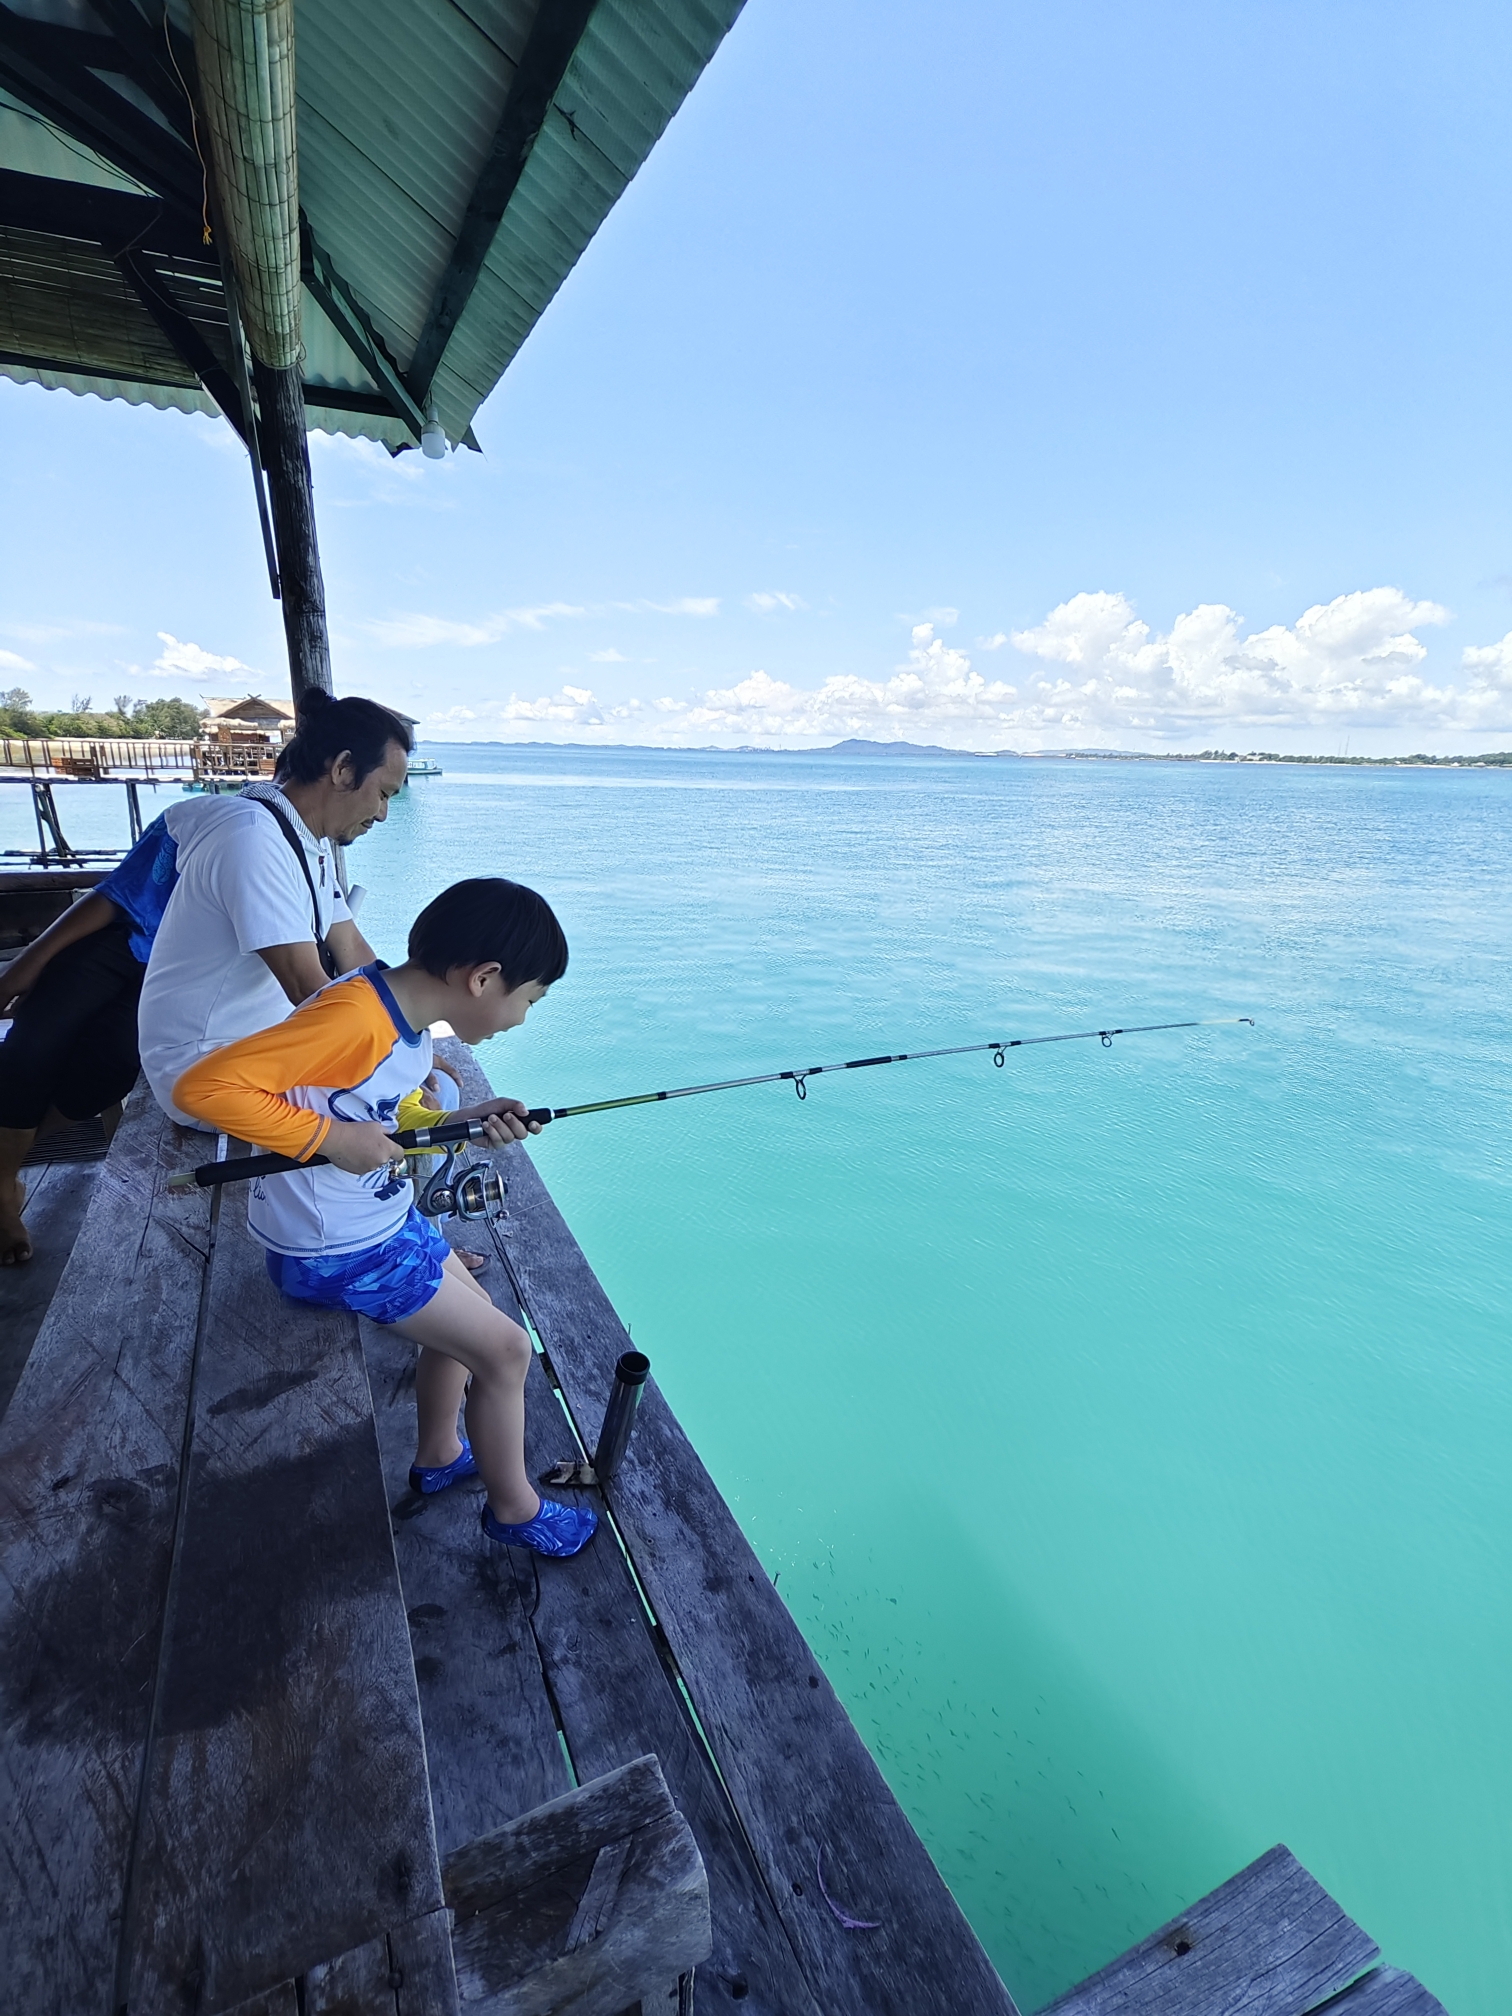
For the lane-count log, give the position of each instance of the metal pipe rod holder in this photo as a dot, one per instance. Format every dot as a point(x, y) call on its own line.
point(619, 1416)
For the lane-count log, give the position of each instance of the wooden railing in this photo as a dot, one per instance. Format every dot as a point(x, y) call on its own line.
point(95, 756)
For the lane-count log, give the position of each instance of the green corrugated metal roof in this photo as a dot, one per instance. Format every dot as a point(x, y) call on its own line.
point(398, 105)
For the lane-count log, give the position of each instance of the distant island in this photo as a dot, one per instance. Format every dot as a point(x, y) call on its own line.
point(855, 747)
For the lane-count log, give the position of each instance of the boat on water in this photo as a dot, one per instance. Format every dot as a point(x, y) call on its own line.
point(423, 767)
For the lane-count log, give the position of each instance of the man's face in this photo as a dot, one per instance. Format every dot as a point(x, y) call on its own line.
point(367, 802)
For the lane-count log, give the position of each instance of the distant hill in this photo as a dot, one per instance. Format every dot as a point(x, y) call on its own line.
point(855, 746)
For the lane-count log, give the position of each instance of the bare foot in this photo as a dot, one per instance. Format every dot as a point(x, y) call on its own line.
point(15, 1240)
point(473, 1262)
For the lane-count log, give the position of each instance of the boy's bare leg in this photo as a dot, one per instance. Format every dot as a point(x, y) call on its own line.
point(460, 1323)
point(440, 1384)
point(15, 1240)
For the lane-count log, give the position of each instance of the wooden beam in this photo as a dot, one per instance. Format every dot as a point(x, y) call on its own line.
point(110, 217)
point(554, 35)
point(286, 459)
point(355, 327)
point(66, 92)
point(154, 291)
point(142, 53)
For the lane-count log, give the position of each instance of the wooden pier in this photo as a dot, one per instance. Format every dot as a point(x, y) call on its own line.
point(282, 1738)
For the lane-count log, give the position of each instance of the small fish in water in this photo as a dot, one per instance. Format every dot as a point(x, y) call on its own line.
point(845, 1918)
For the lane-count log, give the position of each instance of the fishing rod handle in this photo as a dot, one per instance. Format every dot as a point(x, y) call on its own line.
point(209, 1174)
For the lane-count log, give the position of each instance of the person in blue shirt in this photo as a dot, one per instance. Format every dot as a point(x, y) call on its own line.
point(71, 1050)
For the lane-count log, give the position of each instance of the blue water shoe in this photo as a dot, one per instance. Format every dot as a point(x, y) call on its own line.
point(555, 1529)
point(429, 1481)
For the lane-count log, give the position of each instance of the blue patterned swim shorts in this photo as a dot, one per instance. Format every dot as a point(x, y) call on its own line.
point(387, 1282)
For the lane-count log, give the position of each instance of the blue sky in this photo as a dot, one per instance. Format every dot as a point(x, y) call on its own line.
point(1002, 376)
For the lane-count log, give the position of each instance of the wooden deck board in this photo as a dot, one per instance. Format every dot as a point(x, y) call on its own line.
point(801, 1779)
point(1387, 1992)
point(57, 1198)
point(490, 1734)
point(89, 1467)
point(617, 1700)
point(287, 1818)
point(1269, 1942)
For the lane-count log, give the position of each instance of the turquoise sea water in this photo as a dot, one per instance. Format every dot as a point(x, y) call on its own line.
point(1129, 1429)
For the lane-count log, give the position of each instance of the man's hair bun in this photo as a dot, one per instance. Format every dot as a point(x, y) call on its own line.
point(329, 728)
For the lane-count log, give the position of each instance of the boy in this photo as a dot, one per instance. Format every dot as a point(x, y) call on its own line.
point(329, 1080)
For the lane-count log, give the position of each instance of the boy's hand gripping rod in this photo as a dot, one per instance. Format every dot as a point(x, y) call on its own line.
point(413, 1140)
point(420, 1139)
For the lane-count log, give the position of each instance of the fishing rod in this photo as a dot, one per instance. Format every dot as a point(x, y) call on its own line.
point(421, 1140)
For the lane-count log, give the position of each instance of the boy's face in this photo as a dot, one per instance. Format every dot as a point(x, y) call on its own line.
point(485, 1006)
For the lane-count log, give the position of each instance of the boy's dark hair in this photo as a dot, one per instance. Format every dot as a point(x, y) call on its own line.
point(329, 728)
point(474, 923)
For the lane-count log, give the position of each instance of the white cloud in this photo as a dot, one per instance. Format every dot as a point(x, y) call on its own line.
point(11, 662)
point(765, 600)
point(993, 643)
point(189, 661)
point(1356, 659)
point(685, 605)
point(420, 632)
point(609, 657)
point(1094, 672)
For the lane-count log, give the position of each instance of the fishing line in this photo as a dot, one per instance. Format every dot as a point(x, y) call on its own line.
point(423, 1140)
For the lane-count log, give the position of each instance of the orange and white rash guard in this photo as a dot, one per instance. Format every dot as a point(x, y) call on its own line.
point(347, 1054)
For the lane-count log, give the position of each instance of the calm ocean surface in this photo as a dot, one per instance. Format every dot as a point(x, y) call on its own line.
point(1129, 1429)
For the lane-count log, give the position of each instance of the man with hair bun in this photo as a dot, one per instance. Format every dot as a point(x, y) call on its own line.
point(257, 921)
point(71, 1051)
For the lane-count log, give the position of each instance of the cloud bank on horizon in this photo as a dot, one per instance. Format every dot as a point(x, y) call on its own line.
point(1093, 672)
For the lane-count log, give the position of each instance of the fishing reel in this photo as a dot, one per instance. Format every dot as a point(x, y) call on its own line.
point(476, 1192)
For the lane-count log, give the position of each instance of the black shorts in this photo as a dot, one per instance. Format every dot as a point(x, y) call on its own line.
point(73, 1042)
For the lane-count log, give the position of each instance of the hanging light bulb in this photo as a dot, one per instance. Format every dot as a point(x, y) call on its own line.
point(432, 436)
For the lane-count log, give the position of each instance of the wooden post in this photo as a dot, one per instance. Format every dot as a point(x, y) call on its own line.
point(286, 458)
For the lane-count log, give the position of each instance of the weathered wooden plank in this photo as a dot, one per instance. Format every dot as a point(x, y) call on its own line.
point(287, 1815)
point(567, 1829)
point(476, 1661)
point(802, 1780)
point(425, 1983)
point(589, 1903)
point(89, 1466)
point(357, 1983)
point(280, 2001)
point(1387, 1992)
point(615, 1699)
point(408, 1973)
point(1269, 1942)
point(57, 1198)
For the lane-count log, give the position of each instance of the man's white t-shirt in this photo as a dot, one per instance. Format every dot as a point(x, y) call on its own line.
point(240, 889)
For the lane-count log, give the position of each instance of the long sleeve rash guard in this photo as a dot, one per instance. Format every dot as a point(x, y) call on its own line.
point(347, 1054)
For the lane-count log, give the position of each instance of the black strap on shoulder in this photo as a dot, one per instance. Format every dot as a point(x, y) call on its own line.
point(328, 960)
